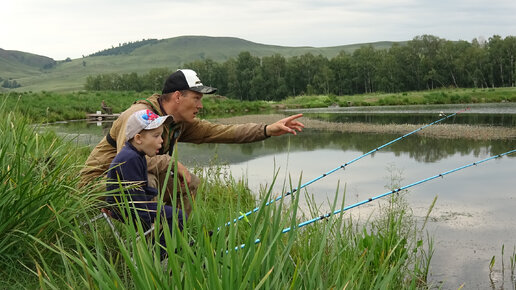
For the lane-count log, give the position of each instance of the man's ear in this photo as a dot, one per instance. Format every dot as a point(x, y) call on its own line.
point(175, 96)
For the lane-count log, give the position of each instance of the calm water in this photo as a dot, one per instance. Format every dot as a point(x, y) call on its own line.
point(502, 114)
point(474, 214)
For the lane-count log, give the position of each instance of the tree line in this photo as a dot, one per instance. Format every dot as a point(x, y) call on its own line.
point(125, 48)
point(426, 62)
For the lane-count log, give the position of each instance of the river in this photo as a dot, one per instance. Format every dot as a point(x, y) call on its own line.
point(474, 214)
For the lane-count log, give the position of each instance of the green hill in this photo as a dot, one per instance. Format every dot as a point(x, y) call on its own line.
point(15, 64)
point(33, 72)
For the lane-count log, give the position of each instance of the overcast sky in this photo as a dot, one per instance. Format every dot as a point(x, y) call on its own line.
point(72, 28)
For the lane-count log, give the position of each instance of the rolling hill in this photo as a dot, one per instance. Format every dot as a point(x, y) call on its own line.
point(15, 64)
point(37, 73)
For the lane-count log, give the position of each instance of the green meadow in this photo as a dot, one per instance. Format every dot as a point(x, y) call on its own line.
point(52, 106)
point(428, 97)
point(48, 241)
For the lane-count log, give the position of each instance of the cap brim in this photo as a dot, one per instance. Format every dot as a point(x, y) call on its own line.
point(159, 121)
point(203, 89)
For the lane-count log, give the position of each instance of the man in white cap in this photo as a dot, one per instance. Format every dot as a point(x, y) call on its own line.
point(181, 98)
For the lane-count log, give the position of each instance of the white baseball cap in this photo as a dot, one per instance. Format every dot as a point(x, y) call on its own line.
point(144, 120)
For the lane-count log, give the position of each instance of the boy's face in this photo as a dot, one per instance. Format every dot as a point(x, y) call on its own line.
point(149, 141)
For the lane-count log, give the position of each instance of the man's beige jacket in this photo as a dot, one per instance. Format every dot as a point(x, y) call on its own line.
point(198, 131)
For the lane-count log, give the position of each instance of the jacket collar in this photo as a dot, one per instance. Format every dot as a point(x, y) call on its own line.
point(131, 146)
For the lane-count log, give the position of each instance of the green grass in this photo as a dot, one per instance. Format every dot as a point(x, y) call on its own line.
point(438, 96)
point(214, 106)
point(44, 245)
point(333, 254)
point(44, 106)
point(38, 183)
point(51, 106)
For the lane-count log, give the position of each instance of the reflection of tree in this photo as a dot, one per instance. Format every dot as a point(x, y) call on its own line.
point(422, 149)
point(247, 150)
point(82, 128)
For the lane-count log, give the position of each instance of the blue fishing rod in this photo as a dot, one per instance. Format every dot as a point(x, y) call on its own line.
point(343, 166)
point(325, 216)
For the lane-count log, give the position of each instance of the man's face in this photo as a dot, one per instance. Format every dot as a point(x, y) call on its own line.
point(190, 103)
point(150, 141)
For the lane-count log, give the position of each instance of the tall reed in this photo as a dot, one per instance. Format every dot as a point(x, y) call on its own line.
point(336, 253)
point(38, 176)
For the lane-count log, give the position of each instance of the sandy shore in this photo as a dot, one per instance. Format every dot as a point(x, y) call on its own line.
point(473, 132)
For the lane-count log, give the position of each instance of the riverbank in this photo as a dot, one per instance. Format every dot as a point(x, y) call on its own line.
point(448, 131)
point(51, 106)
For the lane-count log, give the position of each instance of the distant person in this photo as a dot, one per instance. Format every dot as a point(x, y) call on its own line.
point(105, 108)
point(181, 98)
point(129, 168)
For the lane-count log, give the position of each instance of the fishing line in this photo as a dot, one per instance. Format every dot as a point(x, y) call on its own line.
point(325, 216)
point(342, 167)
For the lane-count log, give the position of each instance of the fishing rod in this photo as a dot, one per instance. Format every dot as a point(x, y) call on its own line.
point(342, 167)
point(325, 216)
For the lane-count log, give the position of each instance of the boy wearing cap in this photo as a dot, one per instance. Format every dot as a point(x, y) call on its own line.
point(181, 98)
point(129, 168)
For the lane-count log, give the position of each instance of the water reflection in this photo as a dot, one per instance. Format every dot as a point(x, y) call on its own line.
point(81, 131)
point(422, 149)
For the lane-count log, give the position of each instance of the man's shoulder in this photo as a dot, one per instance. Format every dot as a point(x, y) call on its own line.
point(147, 103)
point(138, 105)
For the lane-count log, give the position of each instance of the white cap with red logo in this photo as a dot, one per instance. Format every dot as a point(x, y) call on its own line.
point(144, 120)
